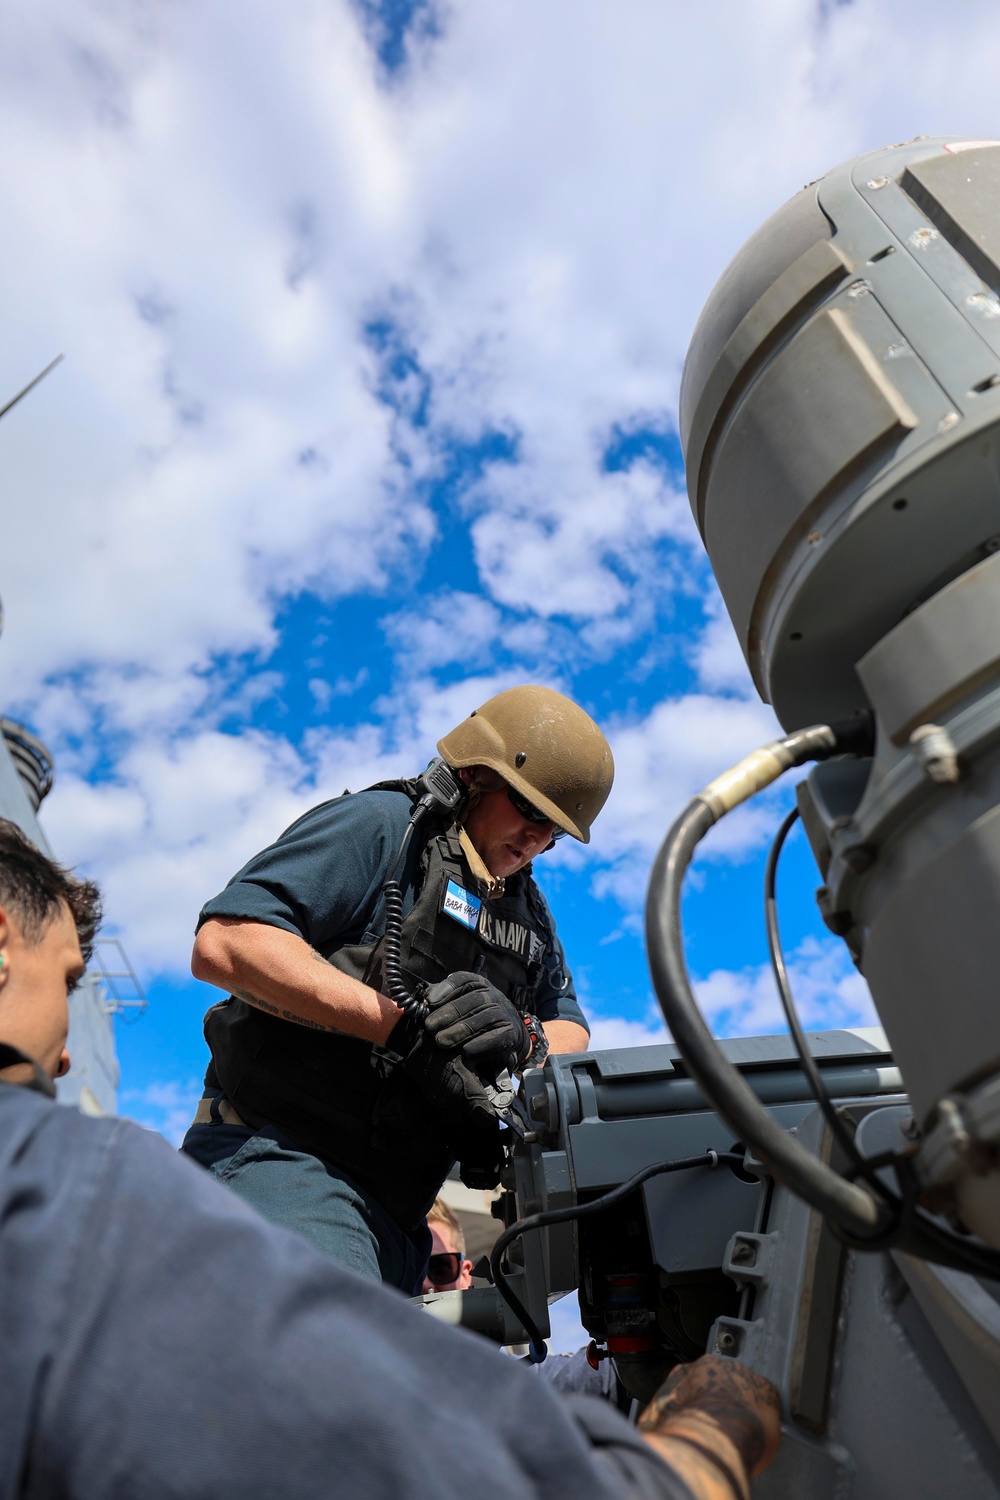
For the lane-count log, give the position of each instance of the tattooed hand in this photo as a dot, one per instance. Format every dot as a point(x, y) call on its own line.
point(716, 1423)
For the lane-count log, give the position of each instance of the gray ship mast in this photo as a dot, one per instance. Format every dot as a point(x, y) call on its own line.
point(26, 776)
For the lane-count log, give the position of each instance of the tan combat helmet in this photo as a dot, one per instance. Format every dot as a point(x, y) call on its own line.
point(545, 747)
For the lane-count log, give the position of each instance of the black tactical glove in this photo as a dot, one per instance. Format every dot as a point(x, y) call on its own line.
point(450, 1084)
point(468, 1015)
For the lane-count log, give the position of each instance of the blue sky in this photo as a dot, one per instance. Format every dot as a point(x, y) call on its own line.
point(374, 316)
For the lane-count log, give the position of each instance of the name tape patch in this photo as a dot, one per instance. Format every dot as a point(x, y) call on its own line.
point(462, 905)
point(500, 933)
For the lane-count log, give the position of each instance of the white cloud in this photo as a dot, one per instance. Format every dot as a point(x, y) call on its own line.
point(204, 212)
point(174, 504)
point(541, 213)
point(660, 762)
point(829, 993)
point(325, 692)
point(453, 627)
point(828, 990)
point(583, 544)
point(184, 815)
point(167, 1107)
point(616, 1031)
point(567, 1332)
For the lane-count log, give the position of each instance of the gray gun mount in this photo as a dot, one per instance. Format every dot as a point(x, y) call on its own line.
point(886, 1366)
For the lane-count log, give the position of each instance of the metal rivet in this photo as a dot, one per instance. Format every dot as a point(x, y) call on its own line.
point(726, 1341)
point(878, 182)
point(520, 758)
point(859, 857)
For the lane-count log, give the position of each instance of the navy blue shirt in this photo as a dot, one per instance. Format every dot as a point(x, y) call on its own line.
point(162, 1340)
point(323, 879)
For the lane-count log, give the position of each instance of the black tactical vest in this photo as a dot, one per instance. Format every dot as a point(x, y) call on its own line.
point(331, 1093)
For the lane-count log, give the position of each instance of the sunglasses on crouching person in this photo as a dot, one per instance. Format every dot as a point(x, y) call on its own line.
point(444, 1268)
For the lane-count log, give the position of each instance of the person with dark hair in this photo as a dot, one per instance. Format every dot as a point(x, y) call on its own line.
point(162, 1339)
point(48, 920)
point(34, 887)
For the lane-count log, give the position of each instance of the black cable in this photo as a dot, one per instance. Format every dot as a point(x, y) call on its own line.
point(722, 1084)
point(581, 1211)
point(841, 1134)
point(392, 892)
point(442, 793)
point(959, 1251)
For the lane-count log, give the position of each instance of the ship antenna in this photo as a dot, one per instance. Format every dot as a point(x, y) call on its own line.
point(31, 385)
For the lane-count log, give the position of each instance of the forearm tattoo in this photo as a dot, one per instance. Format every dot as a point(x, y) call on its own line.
point(287, 1015)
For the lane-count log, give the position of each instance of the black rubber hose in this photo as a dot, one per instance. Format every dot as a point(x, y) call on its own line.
point(582, 1211)
point(723, 1086)
point(837, 1126)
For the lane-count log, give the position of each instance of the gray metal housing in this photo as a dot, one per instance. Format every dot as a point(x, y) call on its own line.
point(839, 414)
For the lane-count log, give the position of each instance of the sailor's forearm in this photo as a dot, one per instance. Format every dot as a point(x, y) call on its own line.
point(277, 972)
point(566, 1036)
point(717, 1423)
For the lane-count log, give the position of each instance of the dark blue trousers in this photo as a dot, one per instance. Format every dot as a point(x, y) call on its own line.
point(311, 1195)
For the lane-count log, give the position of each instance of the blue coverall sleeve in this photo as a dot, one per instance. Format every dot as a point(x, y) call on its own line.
point(322, 877)
point(162, 1340)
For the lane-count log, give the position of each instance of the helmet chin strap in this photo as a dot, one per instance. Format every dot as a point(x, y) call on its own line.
point(494, 883)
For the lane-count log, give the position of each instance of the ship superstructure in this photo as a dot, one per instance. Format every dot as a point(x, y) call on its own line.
point(27, 772)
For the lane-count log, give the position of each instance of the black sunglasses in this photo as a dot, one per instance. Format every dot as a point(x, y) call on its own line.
point(530, 812)
point(446, 1267)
